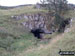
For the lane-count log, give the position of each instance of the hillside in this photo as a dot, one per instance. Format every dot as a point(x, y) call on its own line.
point(63, 41)
point(11, 7)
point(15, 40)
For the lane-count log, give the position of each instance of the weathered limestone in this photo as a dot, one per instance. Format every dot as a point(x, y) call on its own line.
point(37, 20)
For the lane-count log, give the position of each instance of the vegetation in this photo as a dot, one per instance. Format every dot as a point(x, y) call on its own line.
point(15, 40)
point(59, 7)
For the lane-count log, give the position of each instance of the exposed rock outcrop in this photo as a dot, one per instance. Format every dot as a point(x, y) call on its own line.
point(36, 20)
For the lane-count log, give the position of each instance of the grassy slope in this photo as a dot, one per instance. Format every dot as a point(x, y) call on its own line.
point(65, 42)
point(20, 10)
point(14, 38)
point(27, 44)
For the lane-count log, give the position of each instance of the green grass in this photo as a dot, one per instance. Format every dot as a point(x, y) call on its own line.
point(20, 10)
point(15, 40)
point(66, 43)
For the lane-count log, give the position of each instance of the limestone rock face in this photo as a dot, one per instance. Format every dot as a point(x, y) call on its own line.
point(36, 20)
